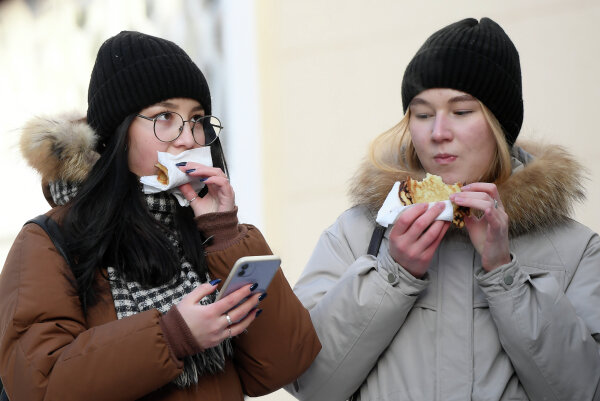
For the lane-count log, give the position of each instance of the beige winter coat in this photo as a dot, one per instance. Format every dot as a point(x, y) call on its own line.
point(528, 330)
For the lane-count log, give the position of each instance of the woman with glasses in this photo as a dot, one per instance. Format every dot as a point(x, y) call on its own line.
point(506, 307)
point(134, 316)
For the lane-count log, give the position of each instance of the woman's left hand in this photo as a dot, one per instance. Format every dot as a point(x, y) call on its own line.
point(220, 196)
point(488, 233)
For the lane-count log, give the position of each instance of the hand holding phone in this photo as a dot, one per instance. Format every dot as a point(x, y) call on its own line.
point(250, 270)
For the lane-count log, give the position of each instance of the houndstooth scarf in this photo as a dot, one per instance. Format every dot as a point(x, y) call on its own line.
point(62, 191)
point(131, 298)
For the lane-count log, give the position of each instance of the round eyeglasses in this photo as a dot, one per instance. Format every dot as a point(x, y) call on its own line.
point(168, 126)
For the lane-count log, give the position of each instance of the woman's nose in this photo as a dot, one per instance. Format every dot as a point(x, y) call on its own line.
point(441, 130)
point(186, 138)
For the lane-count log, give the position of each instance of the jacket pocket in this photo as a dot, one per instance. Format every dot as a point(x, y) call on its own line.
point(558, 272)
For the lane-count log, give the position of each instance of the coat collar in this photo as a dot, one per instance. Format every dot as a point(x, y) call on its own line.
point(542, 191)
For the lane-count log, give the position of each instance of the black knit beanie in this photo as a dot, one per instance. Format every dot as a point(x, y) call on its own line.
point(133, 71)
point(474, 57)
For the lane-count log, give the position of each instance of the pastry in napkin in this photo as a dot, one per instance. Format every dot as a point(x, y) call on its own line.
point(169, 177)
point(431, 190)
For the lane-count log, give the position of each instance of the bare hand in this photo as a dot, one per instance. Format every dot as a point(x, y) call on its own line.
point(489, 233)
point(415, 237)
point(208, 323)
point(220, 196)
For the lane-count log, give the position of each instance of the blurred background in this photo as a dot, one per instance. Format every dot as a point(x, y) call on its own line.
point(301, 86)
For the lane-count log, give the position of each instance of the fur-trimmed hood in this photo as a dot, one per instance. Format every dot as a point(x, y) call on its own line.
point(60, 148)
point(542, 191)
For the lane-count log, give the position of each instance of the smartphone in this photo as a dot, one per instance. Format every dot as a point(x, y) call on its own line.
point(250, 270)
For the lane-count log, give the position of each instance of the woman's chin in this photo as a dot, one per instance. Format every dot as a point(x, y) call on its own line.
point(456, 179)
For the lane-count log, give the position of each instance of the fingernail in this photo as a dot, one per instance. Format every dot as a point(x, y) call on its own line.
point(203, 179)
point(258, 312)
point(190, 170)
point(262, 296)
point(215, 281)
point(253, 286)
point(180, 164)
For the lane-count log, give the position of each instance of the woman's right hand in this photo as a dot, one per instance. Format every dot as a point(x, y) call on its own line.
point(220, 196)
point(415, 236)
point(208, 323)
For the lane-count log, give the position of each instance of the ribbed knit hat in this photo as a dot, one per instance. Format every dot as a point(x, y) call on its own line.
point(473, 57)
point(133, 71)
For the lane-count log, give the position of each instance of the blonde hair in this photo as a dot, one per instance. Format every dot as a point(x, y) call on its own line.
point(393, 151)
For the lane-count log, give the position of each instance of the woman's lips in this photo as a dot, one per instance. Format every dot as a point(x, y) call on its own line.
point(444, 158)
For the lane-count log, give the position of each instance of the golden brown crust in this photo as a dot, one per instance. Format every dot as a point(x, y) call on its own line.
point(432, 189)
point(163, 174)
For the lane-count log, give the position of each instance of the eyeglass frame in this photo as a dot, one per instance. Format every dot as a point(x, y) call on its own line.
point(153, 119)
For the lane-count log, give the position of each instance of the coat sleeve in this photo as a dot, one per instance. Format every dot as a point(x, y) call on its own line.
point(46, 349)
point(357, 303)
point(281, 342)
point(551, 335)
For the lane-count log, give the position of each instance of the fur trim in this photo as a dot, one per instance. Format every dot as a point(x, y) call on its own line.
point(59, 148)
point(544, 192)
point(541, 194)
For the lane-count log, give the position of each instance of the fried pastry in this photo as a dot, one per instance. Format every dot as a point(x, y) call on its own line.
point(163, 174)
point(432, 189)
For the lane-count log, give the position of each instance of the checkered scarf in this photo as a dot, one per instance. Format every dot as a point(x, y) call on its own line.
point(130, 297)
point(62, 191)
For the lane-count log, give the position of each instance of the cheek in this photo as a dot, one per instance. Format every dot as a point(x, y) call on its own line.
point(142, 156)
point(415, 128)
point(482, 146)
point(418, 136)
point(478, 135)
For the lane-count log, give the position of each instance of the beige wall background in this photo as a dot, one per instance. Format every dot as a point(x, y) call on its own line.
point(329, 81)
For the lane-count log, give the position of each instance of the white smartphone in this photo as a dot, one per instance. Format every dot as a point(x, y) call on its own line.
point(250, 270)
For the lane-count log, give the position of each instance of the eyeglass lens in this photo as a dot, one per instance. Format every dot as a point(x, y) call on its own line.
point(169, 125)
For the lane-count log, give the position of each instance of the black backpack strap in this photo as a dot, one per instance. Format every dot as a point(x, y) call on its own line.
point(376, 240)
point(53, 231)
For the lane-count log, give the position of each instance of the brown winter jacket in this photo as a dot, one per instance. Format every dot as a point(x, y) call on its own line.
point(50, 351)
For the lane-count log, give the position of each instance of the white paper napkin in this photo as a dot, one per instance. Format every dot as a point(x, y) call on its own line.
point(176, 176)
point(392, 207)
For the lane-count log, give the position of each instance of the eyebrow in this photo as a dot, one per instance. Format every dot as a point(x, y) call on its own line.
point(461, 98)
point(174, 106)
point(455, 99)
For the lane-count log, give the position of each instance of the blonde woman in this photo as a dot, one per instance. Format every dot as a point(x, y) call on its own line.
point(505, 308)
